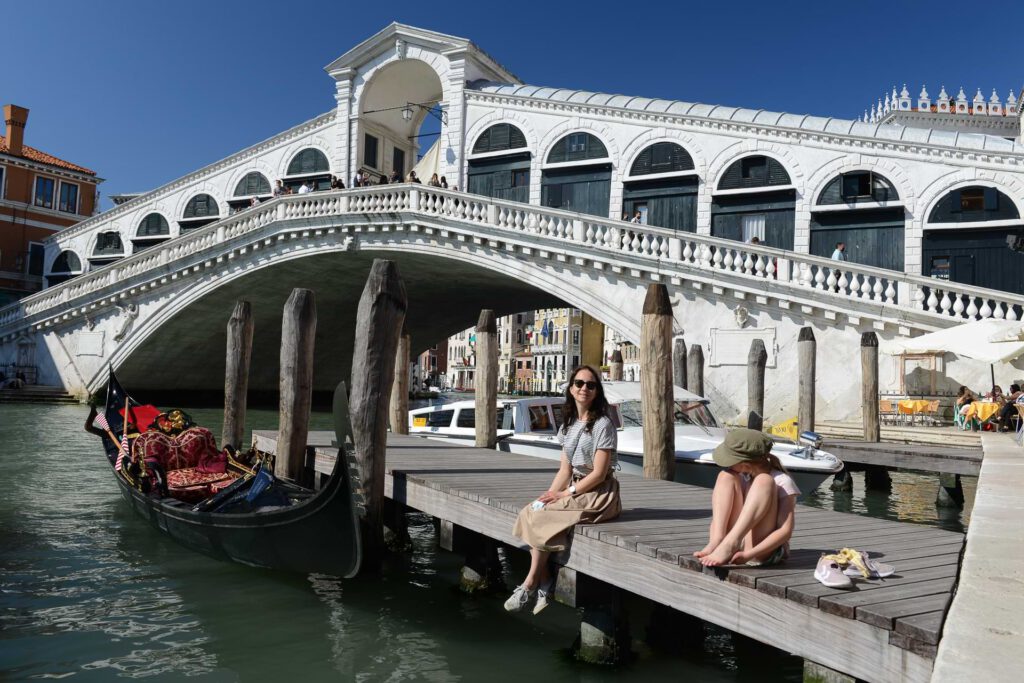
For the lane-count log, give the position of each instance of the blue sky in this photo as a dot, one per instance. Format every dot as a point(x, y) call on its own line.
point(144, 92)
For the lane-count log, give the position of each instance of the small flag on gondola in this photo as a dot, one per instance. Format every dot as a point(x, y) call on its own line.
point(123, 453)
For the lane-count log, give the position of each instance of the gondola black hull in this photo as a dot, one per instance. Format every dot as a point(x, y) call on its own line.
point(318, 534)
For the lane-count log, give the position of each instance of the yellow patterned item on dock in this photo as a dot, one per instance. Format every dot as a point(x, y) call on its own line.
point(786, 429)
point(847, 557)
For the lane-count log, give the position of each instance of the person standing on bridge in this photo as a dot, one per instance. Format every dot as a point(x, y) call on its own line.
point(840, 253)
point(753, 504)
point(583, 490)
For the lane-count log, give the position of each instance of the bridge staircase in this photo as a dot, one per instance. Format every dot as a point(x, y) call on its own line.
point(35, 393)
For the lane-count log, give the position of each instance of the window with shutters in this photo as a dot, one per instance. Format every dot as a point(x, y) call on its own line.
point(973, 204)
point(44, 192)
point(108, 244)
point(398, 162)
point(308, 161)
point(36, 251)
point(857, 187)
point(2, 193)
point(201, 206)
point(753, 171)
point(254, 183)
point(577, 147)
point(370, 151)
point(662, 157)
point(66, 262)
point(68, 202)
point(153, 225)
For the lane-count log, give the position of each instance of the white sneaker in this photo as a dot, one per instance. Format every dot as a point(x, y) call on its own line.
point(829, 573)
point(517, 601)
point(879, 570)
point(544, 594)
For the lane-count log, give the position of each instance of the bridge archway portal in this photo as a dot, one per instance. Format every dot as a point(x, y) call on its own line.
point(392, 108)
point(445, 295)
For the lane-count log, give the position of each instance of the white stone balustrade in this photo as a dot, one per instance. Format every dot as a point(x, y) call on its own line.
point(783, 273)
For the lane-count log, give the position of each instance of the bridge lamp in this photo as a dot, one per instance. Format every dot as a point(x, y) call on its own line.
point(407, 112)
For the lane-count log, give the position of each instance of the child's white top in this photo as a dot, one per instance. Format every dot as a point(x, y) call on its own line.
point(784, 484)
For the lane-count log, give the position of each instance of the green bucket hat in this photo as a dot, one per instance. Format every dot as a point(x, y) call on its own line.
point(742, 445)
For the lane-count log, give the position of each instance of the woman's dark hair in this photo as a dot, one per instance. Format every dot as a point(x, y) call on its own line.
point(598, 408)
point(1014, 388)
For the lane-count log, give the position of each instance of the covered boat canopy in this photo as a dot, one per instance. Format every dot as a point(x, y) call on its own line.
point(619, 392)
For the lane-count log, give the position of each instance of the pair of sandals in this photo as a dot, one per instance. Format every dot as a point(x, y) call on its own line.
point(836, 570)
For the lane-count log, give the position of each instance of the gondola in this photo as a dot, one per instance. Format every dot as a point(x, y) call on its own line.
point(317, 532)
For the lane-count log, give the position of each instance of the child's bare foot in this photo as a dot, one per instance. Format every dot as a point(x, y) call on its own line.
point(706, 550)
point(723, 554)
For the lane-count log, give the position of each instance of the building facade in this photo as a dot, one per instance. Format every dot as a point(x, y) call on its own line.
point(462, 360)
point(430, 368)
point(926, 201)
point(513, 341)
point(40, 195)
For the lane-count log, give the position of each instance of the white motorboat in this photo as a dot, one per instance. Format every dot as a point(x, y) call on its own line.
point(529, 426)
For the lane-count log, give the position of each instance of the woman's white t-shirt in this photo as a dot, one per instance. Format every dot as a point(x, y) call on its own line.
point(584, 444)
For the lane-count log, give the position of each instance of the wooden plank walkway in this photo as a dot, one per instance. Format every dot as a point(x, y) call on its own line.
point(880, 631)
point(909, 456)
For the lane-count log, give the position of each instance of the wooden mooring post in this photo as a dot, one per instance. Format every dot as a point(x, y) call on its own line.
point(615, 366)
point(656, 384)
point(379, 320)
point(399, 404)
point(875, 477)
point(486, 382)
point(695, 370)
point(807, 355)
point(757, 360)
point(236, 374)
point(298, 331)
point(679, 361)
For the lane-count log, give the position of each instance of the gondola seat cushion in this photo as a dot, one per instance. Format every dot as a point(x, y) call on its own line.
point(191, 485)
point(194, 448)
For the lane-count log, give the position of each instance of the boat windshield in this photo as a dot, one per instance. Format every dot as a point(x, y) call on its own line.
point(686, 413)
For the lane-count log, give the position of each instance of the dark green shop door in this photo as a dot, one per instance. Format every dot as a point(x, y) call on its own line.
point(584, 189)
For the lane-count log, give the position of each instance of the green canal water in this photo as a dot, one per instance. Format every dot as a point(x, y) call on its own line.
point(89, 592)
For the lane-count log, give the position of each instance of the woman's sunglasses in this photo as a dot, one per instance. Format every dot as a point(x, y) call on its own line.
point(579, 384)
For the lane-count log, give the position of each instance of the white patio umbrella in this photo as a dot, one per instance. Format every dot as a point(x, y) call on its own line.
point(990, 340)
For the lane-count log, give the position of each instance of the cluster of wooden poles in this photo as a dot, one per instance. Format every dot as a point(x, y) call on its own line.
point(380, 394)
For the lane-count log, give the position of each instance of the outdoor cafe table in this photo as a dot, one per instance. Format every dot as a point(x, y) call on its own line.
point(909, 406)
point(982, 410)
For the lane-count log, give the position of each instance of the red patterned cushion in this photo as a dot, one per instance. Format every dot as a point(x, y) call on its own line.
point(192, 486)
point(194, 447)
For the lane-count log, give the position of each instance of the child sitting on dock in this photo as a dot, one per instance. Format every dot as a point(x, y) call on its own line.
point(752, 506)
point(583, 490)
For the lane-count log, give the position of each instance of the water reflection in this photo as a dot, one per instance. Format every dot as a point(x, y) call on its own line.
point(91, 591)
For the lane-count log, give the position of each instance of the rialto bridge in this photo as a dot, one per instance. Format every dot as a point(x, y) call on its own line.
point(148, 285)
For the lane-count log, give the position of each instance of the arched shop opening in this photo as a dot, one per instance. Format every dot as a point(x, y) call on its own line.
point(253, 185)
point(755, 198)
point(662, 187)
point(152, 230)
point(499, 166)
point(201, 210)
point(66, 266)
point(967, 240)
point(578, 175)
point(856, 208)
point(309, 166)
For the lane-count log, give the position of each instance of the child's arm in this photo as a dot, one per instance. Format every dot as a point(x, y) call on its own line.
point(785, 522)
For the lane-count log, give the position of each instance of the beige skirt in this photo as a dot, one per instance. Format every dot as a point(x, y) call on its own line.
point(545, 529)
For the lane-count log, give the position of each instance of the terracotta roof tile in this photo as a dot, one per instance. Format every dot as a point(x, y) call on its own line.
point(33, 154)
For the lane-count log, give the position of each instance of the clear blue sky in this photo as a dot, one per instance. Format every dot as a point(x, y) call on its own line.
point(144, 92)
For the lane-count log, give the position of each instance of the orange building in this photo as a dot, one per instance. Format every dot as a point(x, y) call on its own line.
point(39, 195)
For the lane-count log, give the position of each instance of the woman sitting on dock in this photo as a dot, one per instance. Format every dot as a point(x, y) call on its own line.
point(752, 506)
point(584, 490)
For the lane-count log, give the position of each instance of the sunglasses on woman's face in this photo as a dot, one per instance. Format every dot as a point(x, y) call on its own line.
point(579, 384)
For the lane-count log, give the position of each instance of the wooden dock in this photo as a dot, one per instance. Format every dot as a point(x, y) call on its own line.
point(965, 460)
point(880, 631)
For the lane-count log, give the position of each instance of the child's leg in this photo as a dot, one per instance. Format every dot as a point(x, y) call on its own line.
point(764, 526)
point(726, 504)
point(760, 501)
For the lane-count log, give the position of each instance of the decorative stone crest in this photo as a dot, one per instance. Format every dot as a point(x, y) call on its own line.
point(742, 316)
point(400, 48)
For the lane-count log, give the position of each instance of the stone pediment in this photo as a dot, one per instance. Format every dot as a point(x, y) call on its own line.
point(395, 37)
